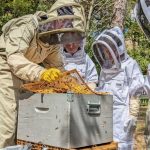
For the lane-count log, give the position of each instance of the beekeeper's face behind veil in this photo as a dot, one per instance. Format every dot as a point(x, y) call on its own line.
point(64, 17)
point(69, 44)
point(109, 50)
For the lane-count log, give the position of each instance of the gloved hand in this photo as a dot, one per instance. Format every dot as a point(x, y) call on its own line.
point(50, 75)
point(130, 124)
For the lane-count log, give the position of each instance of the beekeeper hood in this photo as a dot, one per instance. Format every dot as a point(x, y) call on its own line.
point(64, 16)
point(109, 49)
point(142, 15)
point(79, 56)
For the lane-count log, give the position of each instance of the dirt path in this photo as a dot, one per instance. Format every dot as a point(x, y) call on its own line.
point(139, 135)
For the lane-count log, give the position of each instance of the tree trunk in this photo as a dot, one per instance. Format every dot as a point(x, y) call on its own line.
point(120, 7)
point(89, 15)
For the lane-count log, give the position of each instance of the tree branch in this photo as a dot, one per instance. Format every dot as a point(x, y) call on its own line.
point(89, 15)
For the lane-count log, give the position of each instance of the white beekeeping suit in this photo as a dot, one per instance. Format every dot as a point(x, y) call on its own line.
point(82, 63)
point(142, 15)
point(121, 75)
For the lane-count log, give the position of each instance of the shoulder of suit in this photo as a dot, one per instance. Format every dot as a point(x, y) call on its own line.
point(27, 19)
point(33, 19)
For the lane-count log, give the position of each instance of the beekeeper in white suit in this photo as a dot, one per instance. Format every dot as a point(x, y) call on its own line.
point(121, 75)
point(142, 15)
point(26, 42)
point(75, 58)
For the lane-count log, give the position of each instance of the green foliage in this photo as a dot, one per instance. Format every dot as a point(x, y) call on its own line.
point(100, 19)
point(144, 100)
point(14, 8)
point(142, 56)
point(140, 45)
point(102, 14)
point(140, 50)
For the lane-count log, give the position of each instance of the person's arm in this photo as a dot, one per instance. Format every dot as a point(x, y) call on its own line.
point(137, 81)
point(136, 89)
point(17, 42)
point(147, 85)
point(147, 82)
point(23, 68)
point(143, 83)
point(91, 75)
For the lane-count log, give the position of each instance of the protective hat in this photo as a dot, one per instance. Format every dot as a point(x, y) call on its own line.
point(142, 15)
point(64, 16)
point(109, 49)
point(117, 36)
point(67, 37)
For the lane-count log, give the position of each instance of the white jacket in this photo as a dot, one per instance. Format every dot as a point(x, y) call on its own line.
point(124, 85)
point(82, 63)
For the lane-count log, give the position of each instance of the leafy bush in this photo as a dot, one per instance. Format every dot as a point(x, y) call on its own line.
point(140, 50)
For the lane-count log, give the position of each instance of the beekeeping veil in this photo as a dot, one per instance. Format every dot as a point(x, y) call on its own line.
point(109, 49)
point(64, 16)
point(142, 15)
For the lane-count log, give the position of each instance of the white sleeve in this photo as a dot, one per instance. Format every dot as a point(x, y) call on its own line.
point(91, 72)
point(23, 68)
point(19, 36)
point(18, 40)
point(135, 89)
point(137, 81)
point(147, 85)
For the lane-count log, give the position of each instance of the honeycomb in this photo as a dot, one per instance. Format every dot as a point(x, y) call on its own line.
point(69, 81)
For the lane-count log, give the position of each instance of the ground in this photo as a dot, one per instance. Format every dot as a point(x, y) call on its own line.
point(139, 135)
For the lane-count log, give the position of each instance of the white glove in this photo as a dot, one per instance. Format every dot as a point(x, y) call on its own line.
point(130, 124)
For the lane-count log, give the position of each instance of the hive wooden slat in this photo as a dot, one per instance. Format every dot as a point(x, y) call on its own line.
point(35, 146)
